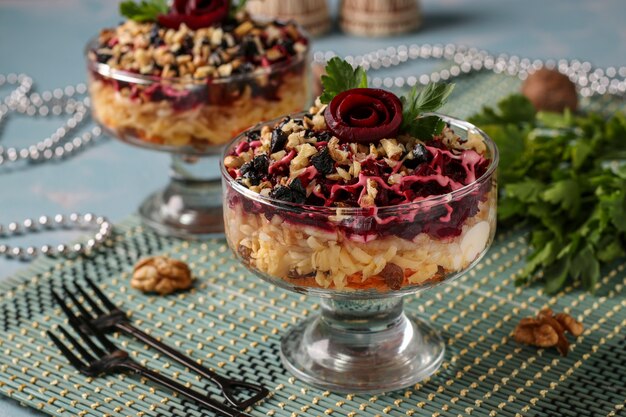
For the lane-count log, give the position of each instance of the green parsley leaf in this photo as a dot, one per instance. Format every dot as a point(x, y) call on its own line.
point(555, 275)
point(145, 11)
point(564, 177)
point(234, 9)
point(513, 109)
point(426, 127)
point(430, 98)
point(341, 76)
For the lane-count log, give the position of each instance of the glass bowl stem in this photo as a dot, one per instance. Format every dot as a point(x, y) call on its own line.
point(190, 206)
point(362, 346)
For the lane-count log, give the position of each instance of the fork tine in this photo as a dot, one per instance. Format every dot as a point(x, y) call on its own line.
point(77, 363)
point(105, 300)
point(94, 306)
point(68, 312)
point(78, 304)
point(76, 326)
point(108, 345)
point(83, 352)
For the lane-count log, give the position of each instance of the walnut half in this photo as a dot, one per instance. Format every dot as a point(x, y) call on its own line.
point(548, 330)
point(161, 274)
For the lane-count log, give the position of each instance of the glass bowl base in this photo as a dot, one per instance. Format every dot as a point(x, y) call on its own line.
point(187, 211)
point(362, 346)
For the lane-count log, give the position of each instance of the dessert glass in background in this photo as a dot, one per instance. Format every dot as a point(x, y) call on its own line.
point(192, 117)
point(361, 261)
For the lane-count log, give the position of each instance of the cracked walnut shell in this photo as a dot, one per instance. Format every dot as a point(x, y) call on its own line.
point(161, 274)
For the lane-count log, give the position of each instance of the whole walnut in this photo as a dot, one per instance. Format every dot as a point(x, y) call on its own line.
point(161, 274)
point(549, 90)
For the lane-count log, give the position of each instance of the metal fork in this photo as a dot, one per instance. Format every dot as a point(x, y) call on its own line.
point(114, 319)
point(107, 359)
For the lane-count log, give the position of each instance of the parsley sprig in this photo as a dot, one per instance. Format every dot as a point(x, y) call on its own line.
point(430, 98)
point(341, 76)
point(564, 177)
point(149, 10)
point(145, 11)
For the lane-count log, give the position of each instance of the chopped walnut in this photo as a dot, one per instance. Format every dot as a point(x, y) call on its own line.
point(161, 274)
point(355, 169)
point(369, 199)
point(337, 154)
point(319, 123)
point(233, 161)
point(392, 149)
point(305, 151)
point(373, 150)
point(547, 330)
point(344, 174)
point(294, 140)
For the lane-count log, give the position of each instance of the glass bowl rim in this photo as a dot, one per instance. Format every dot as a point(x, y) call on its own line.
point(426, 203)
point(131, 77)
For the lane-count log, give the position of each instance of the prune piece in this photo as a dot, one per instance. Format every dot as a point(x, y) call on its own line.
point(324, 136)
point(298, 190)
point(253, 135)
point(245, 68)
point(294, 193)
point(155, 38)
point(188, 44)
point(103, 58)
point(261, 163)
point(281, 192)
point(256, 169)
point(229, 25)
point(279, 139)
point(421, 154)
point(323, 162)
point(288, 45)
point(393, 276)
point(283, 122)
point(249, 48)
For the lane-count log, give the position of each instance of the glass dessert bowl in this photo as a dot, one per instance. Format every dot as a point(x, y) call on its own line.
point(188, 92)
point(359, 225)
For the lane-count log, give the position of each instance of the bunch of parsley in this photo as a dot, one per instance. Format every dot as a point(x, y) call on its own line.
point(564, 176)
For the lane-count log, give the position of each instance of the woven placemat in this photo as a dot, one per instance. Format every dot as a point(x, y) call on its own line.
point(233, 322)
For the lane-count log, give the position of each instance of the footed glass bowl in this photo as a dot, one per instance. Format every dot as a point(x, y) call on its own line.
point(361, 262)
point(191, 119)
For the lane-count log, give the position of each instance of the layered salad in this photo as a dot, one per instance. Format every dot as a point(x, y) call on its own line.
point(196, 73)
point(362, 192)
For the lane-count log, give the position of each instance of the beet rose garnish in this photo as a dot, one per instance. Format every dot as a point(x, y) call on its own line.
point(195, 14)
point(364, 115)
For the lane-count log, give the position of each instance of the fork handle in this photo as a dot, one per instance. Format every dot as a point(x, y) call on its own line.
point(211, 404)
point(226, 385)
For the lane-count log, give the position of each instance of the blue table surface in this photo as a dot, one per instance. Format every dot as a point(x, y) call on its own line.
point(45, 39)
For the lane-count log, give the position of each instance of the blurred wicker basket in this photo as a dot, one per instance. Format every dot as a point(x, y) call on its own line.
point(312, 15)
point(380, 17)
